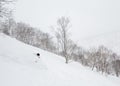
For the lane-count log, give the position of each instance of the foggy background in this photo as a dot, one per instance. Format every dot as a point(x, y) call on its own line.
point(88, 18)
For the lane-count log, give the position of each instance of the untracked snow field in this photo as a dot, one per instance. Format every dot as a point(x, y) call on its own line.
point(18, 68)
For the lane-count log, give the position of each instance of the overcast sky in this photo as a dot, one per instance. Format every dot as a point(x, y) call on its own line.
point(88, 17)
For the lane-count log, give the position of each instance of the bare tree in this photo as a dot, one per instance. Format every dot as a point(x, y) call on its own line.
point(62, 35)
point(71, 49)
point(116, 67)
point(8, 26)
point(5, 12)
point(24, 33)
point(3, 9)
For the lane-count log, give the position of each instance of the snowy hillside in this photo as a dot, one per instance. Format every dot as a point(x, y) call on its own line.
point(18, 68)
point(110, 40)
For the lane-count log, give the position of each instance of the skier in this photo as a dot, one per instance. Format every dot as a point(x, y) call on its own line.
point(38, 57)
point(38, 54)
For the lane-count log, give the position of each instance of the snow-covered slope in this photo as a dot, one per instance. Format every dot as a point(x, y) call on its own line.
point(111, 40)
point(18, 68)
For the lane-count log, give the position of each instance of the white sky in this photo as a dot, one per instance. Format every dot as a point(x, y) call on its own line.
point(88, 17)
